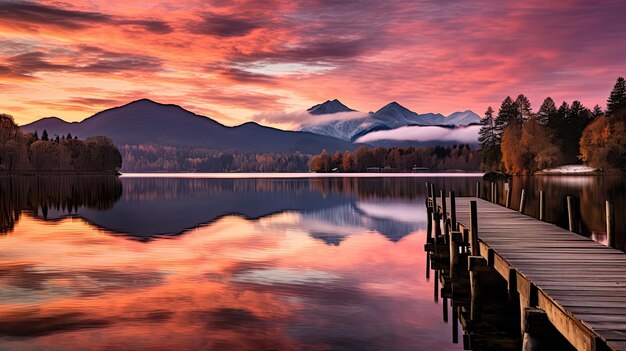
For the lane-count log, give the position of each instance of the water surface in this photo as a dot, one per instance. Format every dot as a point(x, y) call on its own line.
point(103, 263)
point(187, 263)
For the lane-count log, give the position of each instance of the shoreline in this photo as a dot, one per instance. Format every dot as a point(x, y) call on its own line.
point(285, 175)
point(57, 173)
point(277, 175)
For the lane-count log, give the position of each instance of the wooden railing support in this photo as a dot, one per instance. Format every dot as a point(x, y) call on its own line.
point(474, 229)
point(610, 224)
point(541, 205)
point(570, 214)
point(453, 224)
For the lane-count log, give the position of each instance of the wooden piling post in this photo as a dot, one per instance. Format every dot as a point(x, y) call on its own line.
point(491, 191)
point(445, 310)
point(437, 225)
point(512, 284)
point(570, 214)
point(476, 266)
point(436, 285)
point(455, 238)
point(495, 193)
point(478, 189)
point(433, 197)
point(474, 229)
point(522, 201)
point(508, 196)
point(429, 225)
point(453, 226)
point(444, 212)
point(541, 205)
point(536, 330)
point(610, 224)
point(455, 324)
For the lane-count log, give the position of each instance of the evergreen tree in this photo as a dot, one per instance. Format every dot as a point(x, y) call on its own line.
point(579, 113)
point(506, 115)
point(489, 141)
point(617, 99)
point(597, 111)
point(562, 115)
point(69, 136)
point(524, 111)
point(573, 120)
point(547, 112)
point(44, 135)
point(36, 136)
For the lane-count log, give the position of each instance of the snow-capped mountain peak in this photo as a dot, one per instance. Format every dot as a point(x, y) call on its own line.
point(462, 118)
point(391, 116)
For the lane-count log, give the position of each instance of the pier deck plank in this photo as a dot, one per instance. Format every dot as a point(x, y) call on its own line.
point(581, 283)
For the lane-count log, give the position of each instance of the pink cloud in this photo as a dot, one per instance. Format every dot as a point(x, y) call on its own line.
point(432, 55)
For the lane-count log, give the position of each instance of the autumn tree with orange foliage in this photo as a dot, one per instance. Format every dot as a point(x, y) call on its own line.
point(541, 152)
point(398, 159)
point(528, 148)
point(512, 151)
point(603, 144)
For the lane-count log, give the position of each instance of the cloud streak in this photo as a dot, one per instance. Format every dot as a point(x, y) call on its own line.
point(33, 13)
point(464, 135)
point(433, 55)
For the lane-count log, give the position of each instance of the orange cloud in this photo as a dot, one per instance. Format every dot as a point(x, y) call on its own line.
point(235, 59)
point(233, 284)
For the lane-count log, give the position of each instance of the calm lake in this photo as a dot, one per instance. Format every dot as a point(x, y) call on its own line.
point(198, 262)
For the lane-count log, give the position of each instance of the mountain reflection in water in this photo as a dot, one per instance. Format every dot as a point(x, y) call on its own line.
point(145, 208)
point(105, 263)
point(218, 264)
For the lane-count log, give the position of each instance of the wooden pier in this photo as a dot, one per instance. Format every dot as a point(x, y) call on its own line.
point(557, 278)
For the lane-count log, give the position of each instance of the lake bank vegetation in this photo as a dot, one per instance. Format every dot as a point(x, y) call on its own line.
point(519, 141)
point(27, 153)
point(399, 159)
point(158, 158)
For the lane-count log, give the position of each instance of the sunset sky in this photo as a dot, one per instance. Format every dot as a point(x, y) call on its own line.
point(235, 59)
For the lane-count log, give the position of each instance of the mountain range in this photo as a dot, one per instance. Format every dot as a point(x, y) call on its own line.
point(390, 116)
point(147, 122)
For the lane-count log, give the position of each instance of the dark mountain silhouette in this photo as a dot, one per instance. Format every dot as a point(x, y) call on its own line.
point(147, 122)
point(328, 107)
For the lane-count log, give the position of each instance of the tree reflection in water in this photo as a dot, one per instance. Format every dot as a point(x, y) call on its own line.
point(65, 195)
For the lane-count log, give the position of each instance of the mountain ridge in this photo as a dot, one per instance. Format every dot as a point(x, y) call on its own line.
point(145, 121)
point(391, 116)
point(329, 107)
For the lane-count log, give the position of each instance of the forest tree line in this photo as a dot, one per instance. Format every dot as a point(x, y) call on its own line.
point(156, 158)
point(398, 159)
point(27, 152)
point(520, 141)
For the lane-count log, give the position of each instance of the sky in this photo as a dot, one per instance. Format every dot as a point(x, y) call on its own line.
point(237, 60)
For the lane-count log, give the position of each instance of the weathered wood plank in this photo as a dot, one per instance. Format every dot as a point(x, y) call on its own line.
point(581, 284)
